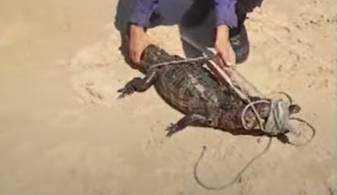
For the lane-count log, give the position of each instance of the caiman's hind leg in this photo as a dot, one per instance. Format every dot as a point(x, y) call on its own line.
point(189, 120)
point(138, 84)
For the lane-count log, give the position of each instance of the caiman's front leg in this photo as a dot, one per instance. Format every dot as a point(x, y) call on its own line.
point(138, 84)
point(193, 119)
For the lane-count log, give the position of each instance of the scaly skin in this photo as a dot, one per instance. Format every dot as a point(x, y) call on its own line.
point(194, 91)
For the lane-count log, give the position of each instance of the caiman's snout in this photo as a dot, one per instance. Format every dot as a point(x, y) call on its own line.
point(294, 108)
point(273, 113)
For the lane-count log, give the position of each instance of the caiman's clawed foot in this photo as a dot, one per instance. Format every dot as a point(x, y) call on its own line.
point(171, 129)
point(193, 119)
point(127, 90)
point(138, 84)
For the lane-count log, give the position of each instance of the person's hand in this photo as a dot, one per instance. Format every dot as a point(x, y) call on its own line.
point(137, 43)
point(225, 52)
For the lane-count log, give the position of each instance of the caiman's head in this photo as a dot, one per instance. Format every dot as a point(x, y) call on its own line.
point(263, 109)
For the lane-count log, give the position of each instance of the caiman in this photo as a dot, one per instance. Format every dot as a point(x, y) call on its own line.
point(192, 89)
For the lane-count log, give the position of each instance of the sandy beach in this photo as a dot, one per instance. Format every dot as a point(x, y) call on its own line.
point(64, 132)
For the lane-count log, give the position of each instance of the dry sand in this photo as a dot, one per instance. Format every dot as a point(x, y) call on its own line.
point(63, 131)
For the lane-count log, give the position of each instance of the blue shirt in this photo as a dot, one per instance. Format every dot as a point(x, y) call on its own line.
point(226, 11)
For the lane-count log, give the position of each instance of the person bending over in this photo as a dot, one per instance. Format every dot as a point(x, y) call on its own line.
point(231, 41)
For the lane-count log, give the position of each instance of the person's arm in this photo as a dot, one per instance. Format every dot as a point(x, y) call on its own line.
point(225, 13)
point(226, 18)
point(139, 20)
point(142, 11)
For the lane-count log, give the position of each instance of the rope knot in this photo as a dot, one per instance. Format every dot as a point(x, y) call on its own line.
point(277, 122)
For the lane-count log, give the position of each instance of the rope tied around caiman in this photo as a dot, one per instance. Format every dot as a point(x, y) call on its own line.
point(177, 62)
point(276, 123)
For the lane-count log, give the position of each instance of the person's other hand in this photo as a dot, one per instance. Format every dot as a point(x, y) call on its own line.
point(137, 43)
point(225, 52)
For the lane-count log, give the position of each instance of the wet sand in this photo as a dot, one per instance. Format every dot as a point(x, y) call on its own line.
point(62, 130)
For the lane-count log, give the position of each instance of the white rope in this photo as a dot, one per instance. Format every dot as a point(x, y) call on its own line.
point(187, 60)
point(313, 129)
point(250, 104)
point(237, 176)
point(224, 76)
